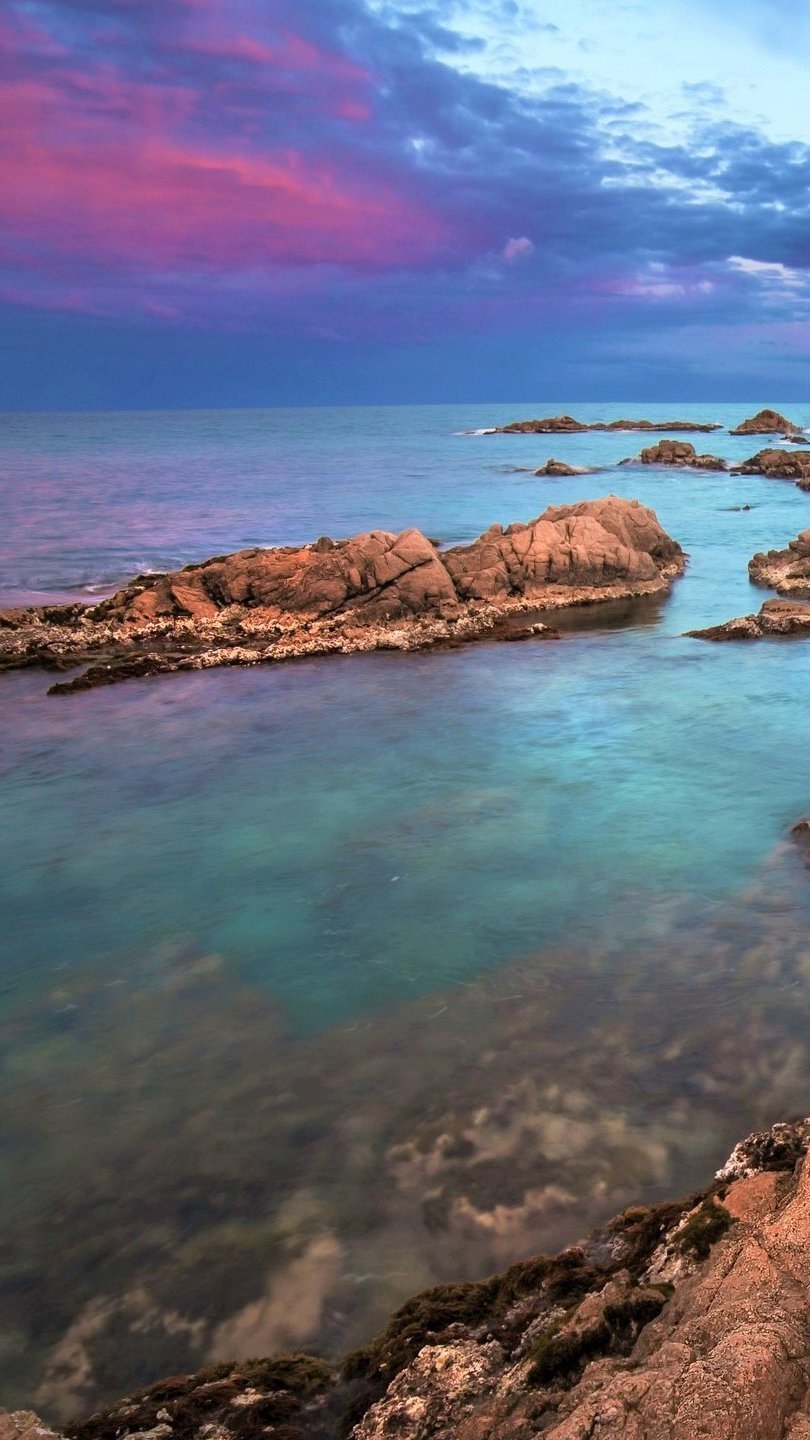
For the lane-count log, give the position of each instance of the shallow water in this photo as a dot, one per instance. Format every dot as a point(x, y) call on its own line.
point(271, 933)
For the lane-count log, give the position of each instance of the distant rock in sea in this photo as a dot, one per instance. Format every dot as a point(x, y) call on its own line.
point(567, 425)
point(559, 468)
point(767, 422)
point(778, 465)
point(678, 453)
point(373, 591)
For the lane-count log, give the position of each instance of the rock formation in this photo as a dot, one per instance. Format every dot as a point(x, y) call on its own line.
point(681, 1320)
point(786, 571)
point(766, 422)
point(374, 591)
point(560, 468)
point(567, 425)
point(776, 618)
point(593, 544)
point(778, 465)
point(676, 452)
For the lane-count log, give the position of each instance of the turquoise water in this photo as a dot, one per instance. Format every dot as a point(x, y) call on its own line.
point(363, 844)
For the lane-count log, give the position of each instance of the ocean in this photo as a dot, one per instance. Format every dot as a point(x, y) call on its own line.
point(325, 982)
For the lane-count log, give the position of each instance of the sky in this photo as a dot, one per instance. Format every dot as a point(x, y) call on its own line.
point(292, 202)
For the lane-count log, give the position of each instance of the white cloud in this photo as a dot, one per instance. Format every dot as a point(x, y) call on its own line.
point(772, 272)
point(518, 249)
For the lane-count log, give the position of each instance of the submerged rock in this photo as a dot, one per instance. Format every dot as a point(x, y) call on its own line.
point(766, 422)
point(678, 453)
point(567, 425)
point(681, 1319)
point(371, 592)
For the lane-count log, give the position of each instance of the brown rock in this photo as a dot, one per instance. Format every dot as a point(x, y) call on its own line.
point(372, 592)
point(679, 453)
point(560, 468)
point(689, 427)
point(786, 571)
point(766, 422)
point(567, 425)
point(592, 544)
point(779, 465)
point(552, 425)
point(776, 618)
point(753, 1198)
point(378, 576)
point(23, 1425)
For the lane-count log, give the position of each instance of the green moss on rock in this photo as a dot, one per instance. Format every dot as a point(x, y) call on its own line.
point(703, 1229)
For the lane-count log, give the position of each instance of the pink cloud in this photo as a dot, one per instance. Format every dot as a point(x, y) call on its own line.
point(107, 180)
point(124, 191)
point(341, 86)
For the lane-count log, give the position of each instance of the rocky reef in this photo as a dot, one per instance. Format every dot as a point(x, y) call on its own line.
point(766, 422)
point(675, 1320)
point(371, 592)
point(567, 425)
point(678, 453)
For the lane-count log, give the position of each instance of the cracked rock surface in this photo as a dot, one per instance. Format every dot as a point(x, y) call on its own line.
point(373, 591)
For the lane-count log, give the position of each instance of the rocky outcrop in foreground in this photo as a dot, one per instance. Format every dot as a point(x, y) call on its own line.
point(567, 425)
point(371, 592)
point(685, 1319)
point(767, 422)
point(678, 453)
point(778, 465)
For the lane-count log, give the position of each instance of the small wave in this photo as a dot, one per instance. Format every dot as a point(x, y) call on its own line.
point(490, 431)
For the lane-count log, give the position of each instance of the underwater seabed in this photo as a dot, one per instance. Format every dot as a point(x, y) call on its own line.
point(212, 1185)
